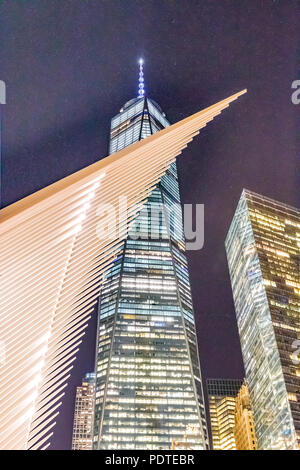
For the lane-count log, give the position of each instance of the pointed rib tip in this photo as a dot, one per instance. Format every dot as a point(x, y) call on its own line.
point(237, 95)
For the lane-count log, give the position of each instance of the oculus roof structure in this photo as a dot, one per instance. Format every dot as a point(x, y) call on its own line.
point(52, 263)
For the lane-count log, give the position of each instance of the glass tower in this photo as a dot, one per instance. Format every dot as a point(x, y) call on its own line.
point(263, 255)
point(148, 386)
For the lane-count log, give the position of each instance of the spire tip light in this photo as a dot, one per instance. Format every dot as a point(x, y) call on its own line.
point(141, 90)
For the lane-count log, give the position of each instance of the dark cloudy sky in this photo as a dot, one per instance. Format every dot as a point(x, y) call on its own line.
point(69, 65)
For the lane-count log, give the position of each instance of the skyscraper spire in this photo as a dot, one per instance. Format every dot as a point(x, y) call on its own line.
point(141, 92)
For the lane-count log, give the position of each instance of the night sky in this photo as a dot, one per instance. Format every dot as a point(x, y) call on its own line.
point(69, 65)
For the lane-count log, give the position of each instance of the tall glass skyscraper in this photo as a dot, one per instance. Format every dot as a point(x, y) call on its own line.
point(148, 385)
point(264, 262)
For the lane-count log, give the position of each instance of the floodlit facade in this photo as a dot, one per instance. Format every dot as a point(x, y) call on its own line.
point(82, 438)
point(52, 262)
point(149, 389)
point(244, 430)
point(222, 395)
point(263, 256)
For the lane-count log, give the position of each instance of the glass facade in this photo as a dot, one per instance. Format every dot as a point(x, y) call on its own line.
point(82, 438)
point(263, 256)
point(148, 387)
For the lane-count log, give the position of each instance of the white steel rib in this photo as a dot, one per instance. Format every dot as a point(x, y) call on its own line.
point(52, 264)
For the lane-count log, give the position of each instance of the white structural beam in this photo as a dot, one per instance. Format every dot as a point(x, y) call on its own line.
point(52, 263)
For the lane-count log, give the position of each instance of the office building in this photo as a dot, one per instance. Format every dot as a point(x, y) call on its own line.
point(263, 251)
point(221, 395)
point(149, 389)
point(82, 438)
